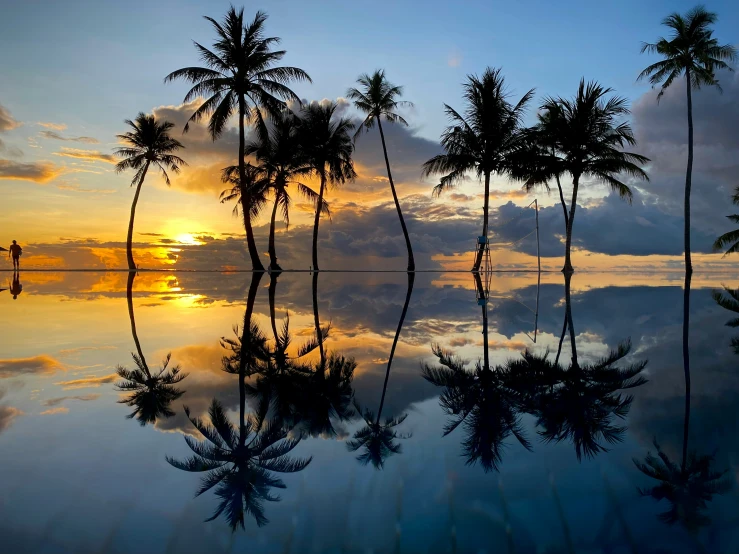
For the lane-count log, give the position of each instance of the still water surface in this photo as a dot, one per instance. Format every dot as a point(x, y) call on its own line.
point(539, 452)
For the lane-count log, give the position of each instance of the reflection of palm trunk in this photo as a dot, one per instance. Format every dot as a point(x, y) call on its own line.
point(129, 297)
point(319, 334)
point(481, 294)
point(568, 315)
point(272, 293)
point(485, 211)
point(686, 362)
point(411, 279)
point(561, 339)
point(246, 343)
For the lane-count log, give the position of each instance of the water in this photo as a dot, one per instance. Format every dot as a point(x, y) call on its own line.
point(78, 476)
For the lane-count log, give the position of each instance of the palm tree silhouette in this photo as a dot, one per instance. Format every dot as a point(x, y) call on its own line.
point(729, 302)
point(489, 139)
point(691, 51)
point(732, 237)
point(327, 147)
point(240, 75)
point(151, 393)
point(379, 98)
point(689, 487)
point(251, 196)
point(148, 143)
point(378, 439)
point(279, 157)
point(584, 137)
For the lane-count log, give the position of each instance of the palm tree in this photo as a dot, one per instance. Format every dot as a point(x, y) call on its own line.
point(691, 51)
point(378, 439)
point(147, 143)
point(327, 148)
point(729, 302)
point(151, 393)
point(279, 157)
point(240, 461)
point(585, 138)
point(488, 139)
point(732, 237)
point(240, 75)
point(379, 98)
point(251, 197)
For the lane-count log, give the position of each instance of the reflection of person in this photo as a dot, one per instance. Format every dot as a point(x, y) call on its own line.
point(14, 252)
point(16, 288)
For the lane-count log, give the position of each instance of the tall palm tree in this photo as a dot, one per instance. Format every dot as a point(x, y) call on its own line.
point(691, 51)
point(239, 75)
point(379, 99)
point(729, 302)
point(732, 237)
point(249, 193)
point(488, 139)
point(585, 138)
point(151, 392)
point(327, 147)
point(240, 461)
point(147, 143)
point(279, 157)
point(378, 439)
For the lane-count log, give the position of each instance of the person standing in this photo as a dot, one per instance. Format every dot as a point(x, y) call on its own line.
point(14, 252)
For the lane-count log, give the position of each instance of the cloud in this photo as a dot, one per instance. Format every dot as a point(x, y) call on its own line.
point(8, 414)
point(70, 351)
point(87, 382)
point(54, 411)
point(58, 400)
point(7, 122)
point(55, 126)
point(90, 155)
point(37, 172)
point(76, 188)
point(56, 136)
point(36, 365)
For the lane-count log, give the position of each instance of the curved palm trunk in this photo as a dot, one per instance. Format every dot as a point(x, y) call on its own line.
point(686, 363)
point(250, 300)
point(485, 210)
point(562, 200)
point(411, 279)
point(568, 242)
point(316, 321)
point(481, 294)
point(411, 261)
point(568, 315)
point(273, 265)
point(129, 298)
point(129, 237)
point(256, 263)
point(317, 220)
point(561, 339)
point(272, 293)
point(688, 176)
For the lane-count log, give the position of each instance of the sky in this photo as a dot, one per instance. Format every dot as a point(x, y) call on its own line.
point(75, 74)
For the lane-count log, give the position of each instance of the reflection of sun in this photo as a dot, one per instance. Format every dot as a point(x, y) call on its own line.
point(187, 238)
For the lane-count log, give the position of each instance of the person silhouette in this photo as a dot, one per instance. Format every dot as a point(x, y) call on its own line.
point(16, 288)
point(15, 252)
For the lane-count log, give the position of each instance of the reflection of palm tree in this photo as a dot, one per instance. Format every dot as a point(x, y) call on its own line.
point(486, 139)
point(729, 302)
point(151, 393)
point(378, 439)
point(730, 239)
point(240, 461)
point(689, 487)
point(378, 99)
point(240, 75)
point(148, 143)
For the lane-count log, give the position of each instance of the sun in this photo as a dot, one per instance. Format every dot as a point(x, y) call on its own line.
point(187, 238)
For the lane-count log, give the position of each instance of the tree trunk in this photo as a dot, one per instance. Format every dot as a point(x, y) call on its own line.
point(411, 261)
point(485, 346)
point(561, 339)
point(129, 237)
point(272, 252)
point(568, 242)
point(317, 220)
point(688, 176)
point(272, 293)
point(562, 200)
point(686, 363)
point(485, 210)
point(411, 279)
point(568, 314)
point(256, 264)
point(129, 298)
point(316, 321)
point(245, 343)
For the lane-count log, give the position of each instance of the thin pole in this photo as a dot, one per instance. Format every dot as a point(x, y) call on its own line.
point(538, 256)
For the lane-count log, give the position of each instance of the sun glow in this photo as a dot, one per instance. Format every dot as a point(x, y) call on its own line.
point(187, 238)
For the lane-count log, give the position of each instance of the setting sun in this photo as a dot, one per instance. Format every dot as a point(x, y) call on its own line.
point(187, 238)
